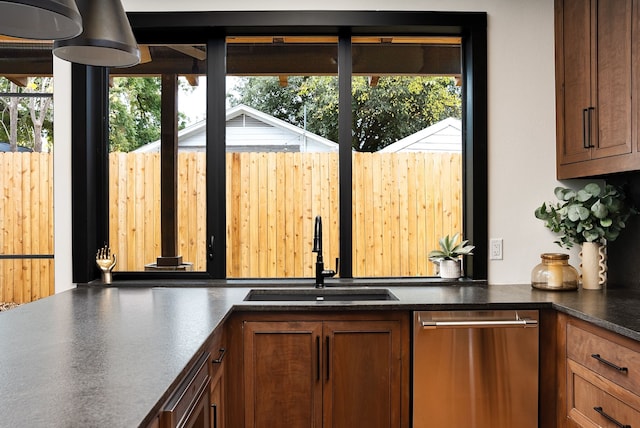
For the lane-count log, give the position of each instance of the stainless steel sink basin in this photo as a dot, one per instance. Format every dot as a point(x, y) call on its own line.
point(319, 295)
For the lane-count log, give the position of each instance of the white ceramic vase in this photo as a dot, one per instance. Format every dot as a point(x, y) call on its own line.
point(450, 269)
point(593, 265)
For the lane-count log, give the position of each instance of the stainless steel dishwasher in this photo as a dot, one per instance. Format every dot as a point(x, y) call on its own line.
point(475, 369)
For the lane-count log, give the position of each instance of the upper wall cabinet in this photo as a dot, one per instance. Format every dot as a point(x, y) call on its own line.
point(596, 56)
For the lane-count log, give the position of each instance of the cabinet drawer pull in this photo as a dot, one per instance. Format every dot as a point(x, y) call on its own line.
point(610, 418)
point(218, 360)
point(610, 364)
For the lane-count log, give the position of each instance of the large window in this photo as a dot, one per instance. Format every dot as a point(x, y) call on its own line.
point(407, 151)
point(378, 125)
point(282, 154)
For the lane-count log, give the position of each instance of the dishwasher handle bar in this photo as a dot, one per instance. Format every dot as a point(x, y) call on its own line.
point(521, 322)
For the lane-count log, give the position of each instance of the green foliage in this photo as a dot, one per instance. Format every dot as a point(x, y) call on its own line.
point(590, 214)
point(24, 126)
point(135, 112)
point(396, 107)
point(450, 249)
point(400, 106)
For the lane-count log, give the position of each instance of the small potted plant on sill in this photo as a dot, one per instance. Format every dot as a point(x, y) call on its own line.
point(589, 217)
point(448, 256)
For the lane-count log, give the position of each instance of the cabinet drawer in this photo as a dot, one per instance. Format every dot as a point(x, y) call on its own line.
point(186, 401)
point(218, 350)
point(609, 358)
point(596, 402)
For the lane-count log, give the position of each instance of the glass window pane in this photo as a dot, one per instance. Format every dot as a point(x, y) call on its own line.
point(407, 158)
point(282, 155)
point(26, 174)
point(136, 227)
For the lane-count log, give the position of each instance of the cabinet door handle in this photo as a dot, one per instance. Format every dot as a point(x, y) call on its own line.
point(610, 364)
point(585, 132)
point(328, 357)
point(318, 357)
point(610, 418)
point(218, 360)
point(214, 407)
point(589, 127)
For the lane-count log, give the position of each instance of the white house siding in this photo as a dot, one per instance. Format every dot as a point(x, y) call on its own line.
point(444, 136)
point(249, 130)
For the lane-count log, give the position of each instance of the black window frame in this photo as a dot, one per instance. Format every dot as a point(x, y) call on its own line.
point(90, 209)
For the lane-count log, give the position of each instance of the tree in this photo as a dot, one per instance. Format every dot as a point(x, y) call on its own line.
point(135, 112)
point(39, 111)
point(396, 107)
point(27, 121)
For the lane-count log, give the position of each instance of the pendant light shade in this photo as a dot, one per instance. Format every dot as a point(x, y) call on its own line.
point(107, 39)
point(40, 19)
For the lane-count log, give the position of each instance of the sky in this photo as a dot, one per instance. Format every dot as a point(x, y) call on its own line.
point(193, 103)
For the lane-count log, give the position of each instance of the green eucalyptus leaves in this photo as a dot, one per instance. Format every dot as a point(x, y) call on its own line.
point(591, 214)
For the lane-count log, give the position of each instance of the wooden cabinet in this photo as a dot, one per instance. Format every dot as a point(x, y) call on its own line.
point(601, 377)
point(362, 385)
point(217, 371)
point(596, 111)
point(283, 374)
point(323, 370)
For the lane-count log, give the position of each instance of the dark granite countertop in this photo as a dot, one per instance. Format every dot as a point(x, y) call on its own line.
point(106, 357)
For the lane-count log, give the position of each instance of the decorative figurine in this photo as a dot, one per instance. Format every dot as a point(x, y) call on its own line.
point(106, 262)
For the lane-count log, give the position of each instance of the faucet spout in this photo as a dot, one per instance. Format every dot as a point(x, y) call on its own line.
point(321, 272)
point(317, 236)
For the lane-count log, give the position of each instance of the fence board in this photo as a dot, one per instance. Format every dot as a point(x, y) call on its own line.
point(26, 226)
point(402, 204)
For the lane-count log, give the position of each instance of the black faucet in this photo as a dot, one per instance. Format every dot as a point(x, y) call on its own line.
point(321, 272)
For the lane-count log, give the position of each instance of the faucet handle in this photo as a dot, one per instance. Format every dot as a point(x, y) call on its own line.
point(338, 265)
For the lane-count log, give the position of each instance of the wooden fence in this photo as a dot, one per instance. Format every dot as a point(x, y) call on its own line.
point(26, 226)
point(402, 204)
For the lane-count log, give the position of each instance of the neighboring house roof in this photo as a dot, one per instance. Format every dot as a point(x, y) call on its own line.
point(6, 147)
point(250, 130)
point(444, 136)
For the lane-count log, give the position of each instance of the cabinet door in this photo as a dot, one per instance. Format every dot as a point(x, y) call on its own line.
point(593, 83)
point(282, 374)
point(362, 374)
point(217, 397)
point(573, 79)
point(612, 84)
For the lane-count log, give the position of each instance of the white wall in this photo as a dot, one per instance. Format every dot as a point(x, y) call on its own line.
point(521, 111)
point(62, 223)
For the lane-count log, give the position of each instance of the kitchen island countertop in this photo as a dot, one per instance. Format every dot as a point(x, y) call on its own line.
point(107, 356)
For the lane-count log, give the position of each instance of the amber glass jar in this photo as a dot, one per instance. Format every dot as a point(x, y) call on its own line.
point(554, 273)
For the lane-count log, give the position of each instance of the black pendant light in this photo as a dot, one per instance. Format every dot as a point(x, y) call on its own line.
point(40, 19)
point(107, 39)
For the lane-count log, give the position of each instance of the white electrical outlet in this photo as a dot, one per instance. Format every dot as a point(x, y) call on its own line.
point(495, 249)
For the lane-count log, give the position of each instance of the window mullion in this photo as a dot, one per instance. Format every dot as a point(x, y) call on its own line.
point(216, 177)
point(345, 70)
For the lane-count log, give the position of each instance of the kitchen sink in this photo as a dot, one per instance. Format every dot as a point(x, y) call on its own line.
point(319, 295)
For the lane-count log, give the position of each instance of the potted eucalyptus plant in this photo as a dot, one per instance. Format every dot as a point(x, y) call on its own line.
point(589, 217)
point(448, 256)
